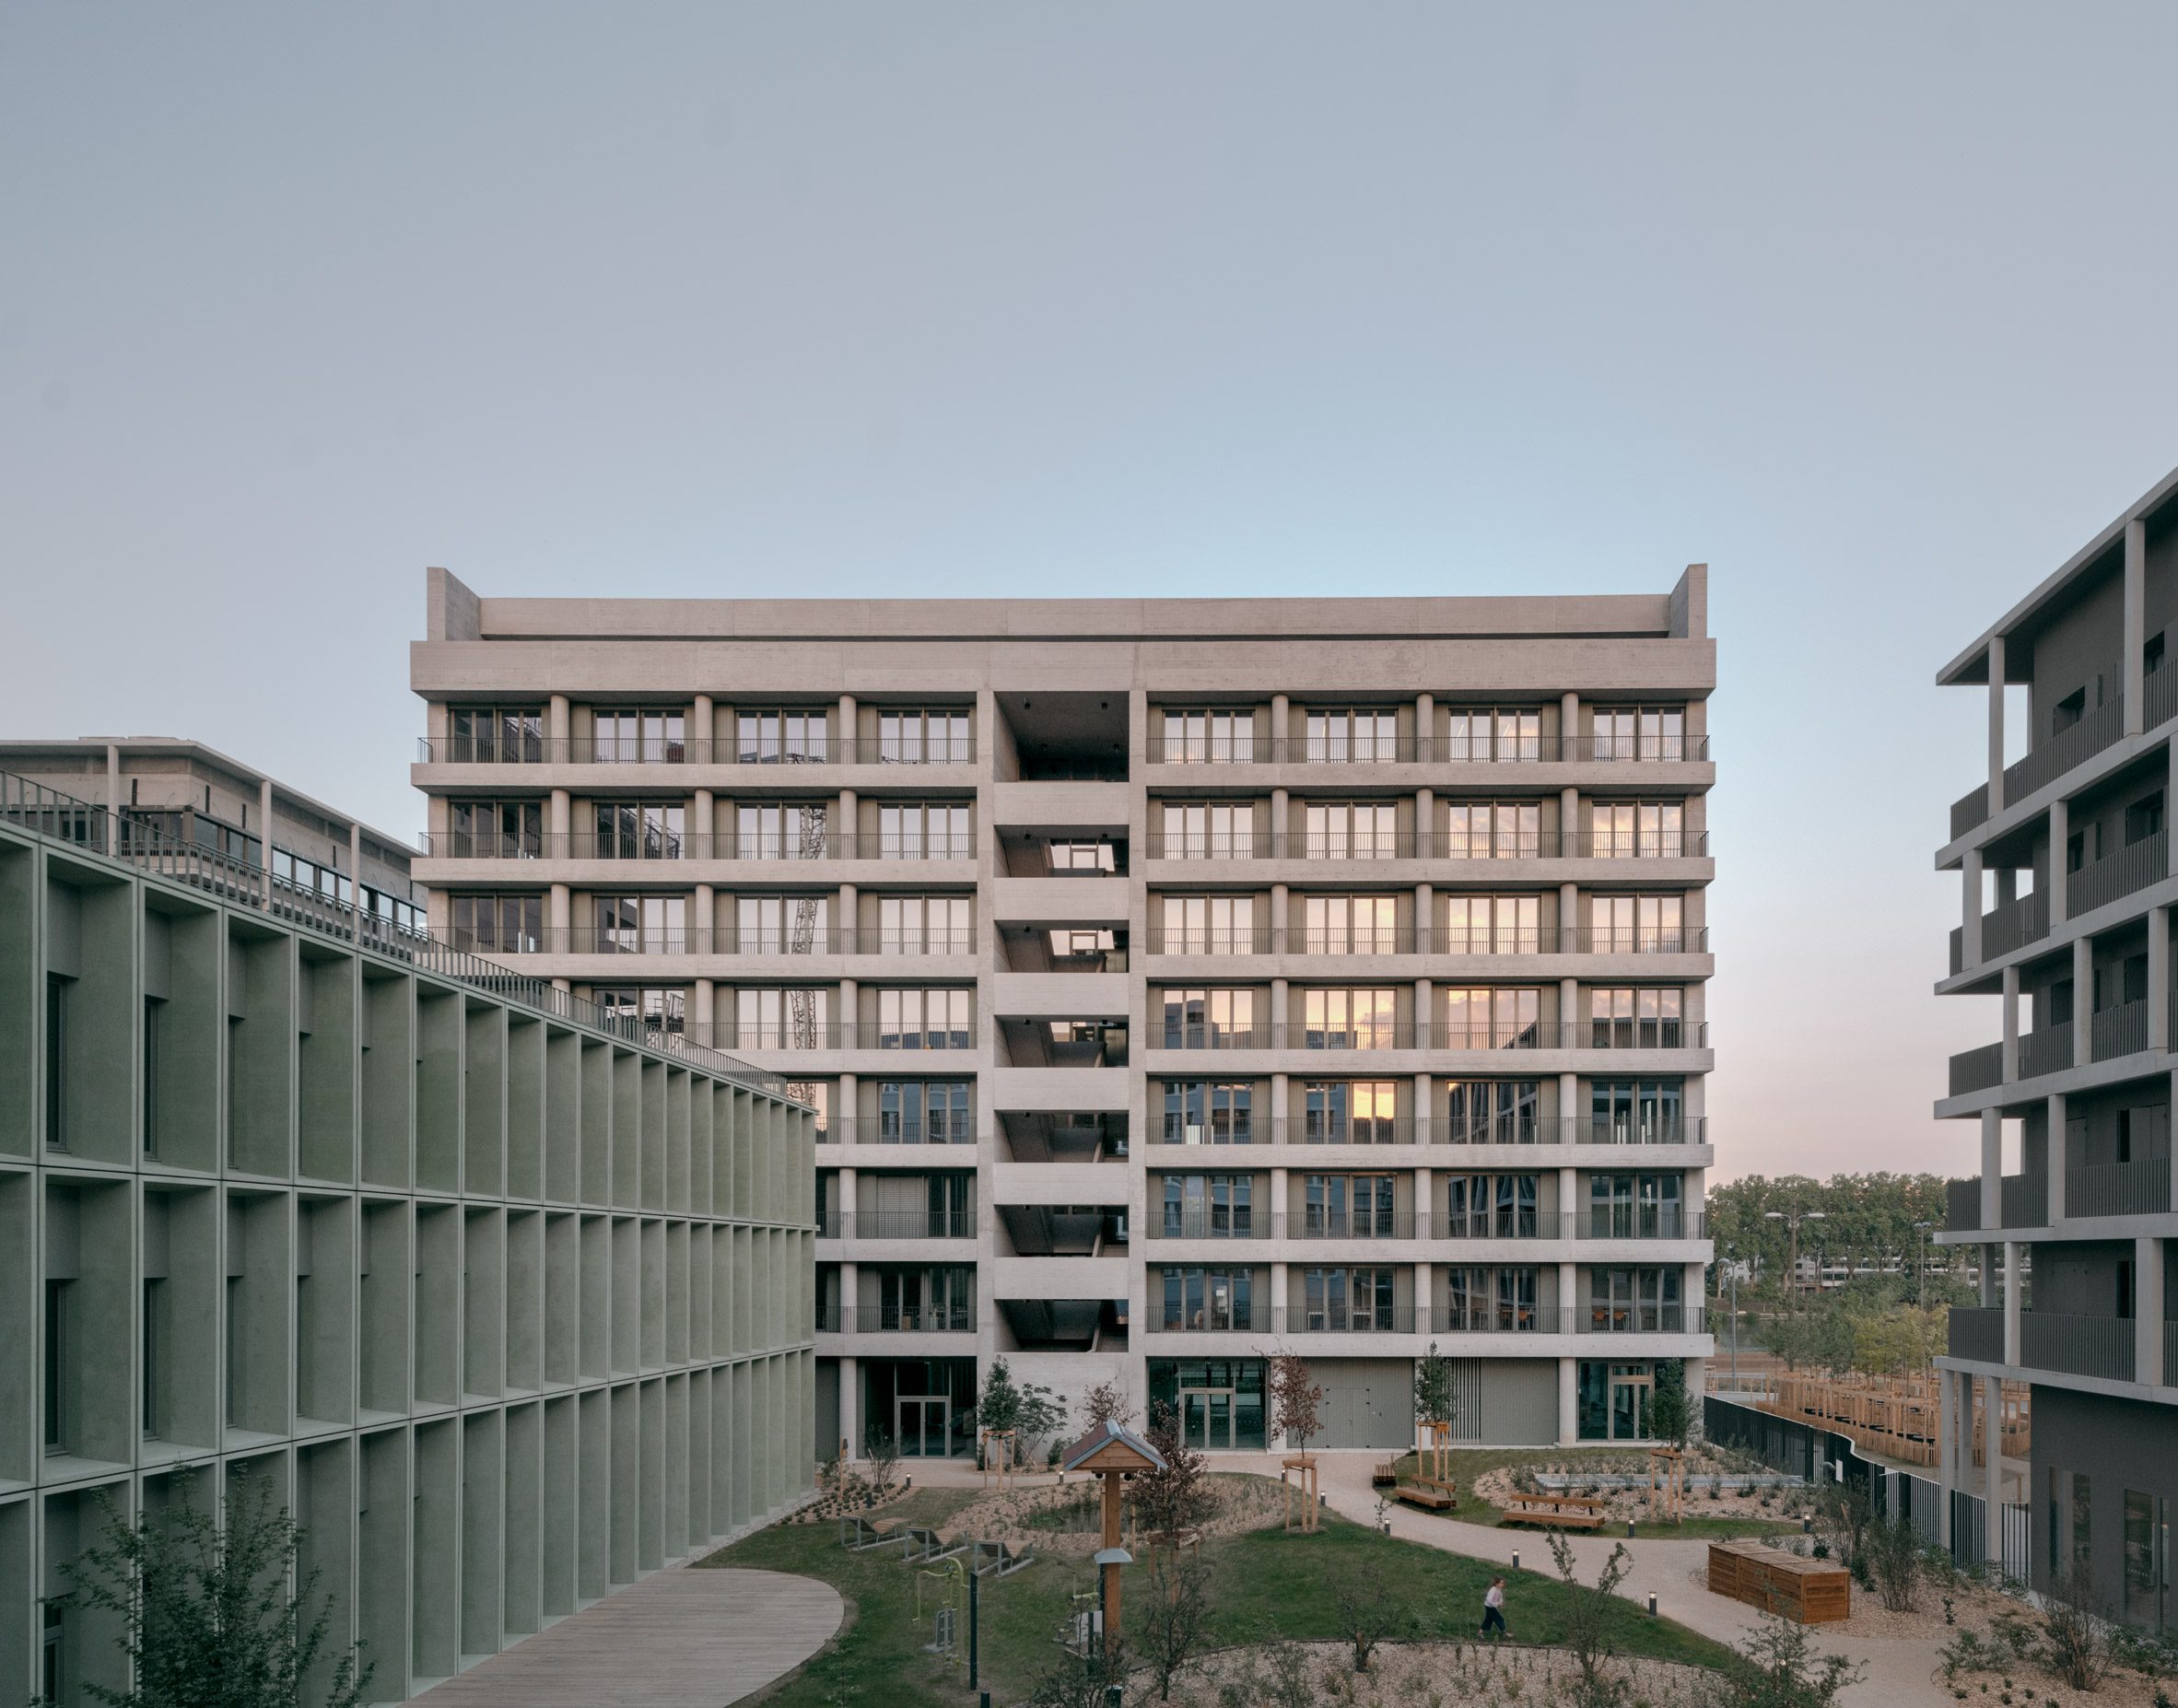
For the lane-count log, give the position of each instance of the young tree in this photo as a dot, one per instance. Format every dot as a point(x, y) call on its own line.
point(1108, 1403)
point(1029, 1411)
point(1369, 1613)
point(207, 1617)
point(1847, 1514)
point(1777, 1666)
point(999, 1408)
point(1435, 1400)
point(882, 1453)
point(1294, 1401)
point(1041, 1414)
point(2079, 1639)
point(1078, 1680)
point(1670, 1414)
point(1893, 1550)
point(1173, 1625)
point(1178, 1498)
point(1588, 1610)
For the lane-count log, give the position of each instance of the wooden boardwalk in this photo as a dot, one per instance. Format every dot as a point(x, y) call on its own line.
point(681, 1638)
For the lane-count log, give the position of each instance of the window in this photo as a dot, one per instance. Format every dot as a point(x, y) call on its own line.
point(1492, 1206)
point(1209, 924)
point(924, 738)
point(1351, 1299)
point(1635, 1206)
point(53, 1651)
point(638, 924)
point(1481, 736)
point(777, 1019)
point(56, 1061)
point(779, 830)
point(1489, 1299)
point(1209, 1112)
point(783, 924)
point(923, 830)
point(1634, 1301)
point(1359, 737)
point(499, 924)
point(1209, 1207)
point(1208, 737)
point(922, 1019)
point(1209, 1298)
point(1494, 830)
point(1491, 1017)
point(2083, 1523)
point(495, 735)
point(1083, 950)
point(1635, 1111)
point(237, 1305)
point(1644, 1017)
point(925, 1112)
point(1352, 924)
point(1209, 830)
point(1492, 925)
point(498, 829)
point(925, 924)
point(633, 830)
point(152, 1005)
point(58, 1363)
point(641, 738)
point(1637, 829)
point(1350, 1112)
point(643, 1009)
point(1637, 925)
point(2144, 819)
point(1492, 1111)
point(1350, 1019)
point(2068, 711)
point(1090, 857)
point(1349, 1206)
point(1352, 830)
point(1210, 1018)
point(781, 737)
point(1630, 733)
point(2147, 1558)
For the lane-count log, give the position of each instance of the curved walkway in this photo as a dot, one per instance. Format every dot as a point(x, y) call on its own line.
point(681, 1638)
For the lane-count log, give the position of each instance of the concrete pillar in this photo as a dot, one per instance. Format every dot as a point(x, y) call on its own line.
point(1992, 1167)
point(2083, 1000)
point(1281, 1011)
point(1570, 922)
point(1993, 1456)
point(1425, 744)
point(848, 1018)
point(705, 938)
point(850, 1287)
point(1424, 1015)
point(1425, 824)
point(355, 874)
point(846, 937)
point(1425, 919)
point(2010, 1011)
point(1569, 1205)
point(703, 734)
point(1970, 909)
point(1570, 1116)
point(1947, 1445)
point(1568, 1406)
point(1425, 1111)
point(703, 823)
point(845, 835)
point(1282, 727)
point(2060, 832)
point(265, 833)
point(1569, 724)
point(2159, 977)
point(2011, 1301)
point(560, 812)
point(1280, 1280)
point(2148, 1310)
point(1286, 938)
point(705, 1019)
point(1282, 833)
point(2055, 1151)
point(1569, 999)
point(1569, 822)
point(1568, 1286)
point(113, 801)
point(850, 1405)
point(1996, 725)
point(2132, 680)
point(558, 728)
point(559, 916)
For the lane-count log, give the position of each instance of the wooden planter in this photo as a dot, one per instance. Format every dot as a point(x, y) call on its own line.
point(1813, 1592)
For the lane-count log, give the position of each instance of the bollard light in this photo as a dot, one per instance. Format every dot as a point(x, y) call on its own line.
point(1652, 1604)
point(1807, 1527)
point(1516, 1560)
point(1387, 1526)
point(1629, 1529)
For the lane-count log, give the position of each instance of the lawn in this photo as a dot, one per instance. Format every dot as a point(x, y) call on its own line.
point(1268, 1584)
point(1469, 1464)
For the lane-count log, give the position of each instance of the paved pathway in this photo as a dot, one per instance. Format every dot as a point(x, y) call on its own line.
point(681, 1638)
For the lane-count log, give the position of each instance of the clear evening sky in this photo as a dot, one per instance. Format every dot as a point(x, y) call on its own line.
point(1872, 308)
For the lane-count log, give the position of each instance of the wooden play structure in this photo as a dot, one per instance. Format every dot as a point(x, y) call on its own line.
point(1114, 1453)
point(1667, 1484)
point(1304, 1488)
point(1812, 1592)
point(1895, 1417)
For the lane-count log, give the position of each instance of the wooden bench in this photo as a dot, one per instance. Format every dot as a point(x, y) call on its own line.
point(1554, 1512)
point(859, 1533)
point(1813, 1592)
point(1431, 1496)
point(1385, 1475)
point(927, 1542)
point(997, 1559)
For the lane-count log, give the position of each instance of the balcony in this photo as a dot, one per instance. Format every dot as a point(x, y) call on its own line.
point(1977, 1333)
point(1429, 845)
point(722, 941)
point(2013, 924)
point(1515, 1319)
point(2115, 876)
point(1363, 1131)
point(2120, 1030)
point(897, 1224)
point(866, 1035)
point(1690, 940)
point(2139, 1188)
point(1366, 749)
point(2099, 1346)
point(895, 1319)
point(2022, 1203)
point(1243, 1223)
point(666, 848)
point(1598, 1034)
point(515, 748)
point(896, 1130)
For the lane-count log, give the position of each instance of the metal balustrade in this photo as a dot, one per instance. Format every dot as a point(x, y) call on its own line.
point(897, 1224)
point(2118, 874)
point(1406, 939)
point(921, 1129)
point(1963, 1206)
point(2135, 1189)
point(2047, 1051)
point(2078, 1345)
point(2022, 1200)
point(1511, 1319)
point(663, 847)
point(2067, 748)
point(895, 1319)
point(722, 941)
point(1977, 1070)
point(1241, 1223)
point(1369, 749)
point(510, 748)
point(1579, 1034)
point(1976, 1332)
point(1369, 1130)
point(2120, 1030)
point(90, 829)
point(1970, 809)
point(838, 1035)
point(1248, 845)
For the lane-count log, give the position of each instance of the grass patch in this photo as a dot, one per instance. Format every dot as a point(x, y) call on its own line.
point(1269, 1585)
point(1470, 1464)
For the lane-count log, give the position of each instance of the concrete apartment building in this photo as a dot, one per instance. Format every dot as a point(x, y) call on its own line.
point(1178, 980)
point(511, 1305)
point(2067, 893)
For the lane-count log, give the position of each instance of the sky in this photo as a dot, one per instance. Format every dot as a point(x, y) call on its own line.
point(1868, 307)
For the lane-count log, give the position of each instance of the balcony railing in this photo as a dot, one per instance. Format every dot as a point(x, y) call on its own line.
point(1970, 809)
point(1247, 1222)
point(1978, 1332)
point(1597, 1035)
point(1977, 1070)
point(514, 748)
point(2056, 1340)
point(1963, 1206)
point(895, 1319)
point(897, 1129)
point(1512, 1320)
point(1427, 845)
point(1366, 1130)
point(723, 941)
point(2136, 1188)
point(2013, 924)
point(2047, 1051)
point(1400, 940)
point(667, 847)
point(2114, 876)
point(897, 1224)
point(2120, 1030)
point(865, 1035)
point(1427, 750)
point(2022, 1203)
point(2068, 747)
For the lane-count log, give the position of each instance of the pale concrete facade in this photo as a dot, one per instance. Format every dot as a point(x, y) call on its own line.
point(512, 1307)
point(2066, 891)
point(1179, 978)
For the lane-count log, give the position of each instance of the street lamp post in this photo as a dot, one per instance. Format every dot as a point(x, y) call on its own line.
point(1921, 1269)
point(1792, 1228)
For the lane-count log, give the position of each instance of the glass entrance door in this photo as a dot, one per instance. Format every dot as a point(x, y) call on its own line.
point(922, 1426)
point(1206, 1417)
point(1631, 1387)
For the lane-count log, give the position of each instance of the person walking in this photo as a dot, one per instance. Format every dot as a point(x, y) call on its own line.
point(1494, 1609)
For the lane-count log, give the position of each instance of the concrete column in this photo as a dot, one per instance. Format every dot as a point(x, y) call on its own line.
point(1569, 998)
point(560, 812)
point(847, 925)
point(1996, 725)
point(1569, 916)
point(1425, 729)
point(705, 1019)
point(2011, 1301)
point(1568, 1285)
point(850, 1404)
point(265, 833)
point(1992, 1168)
point(703, 732)
point(1281, 728)
point(842, 1112)
point(355, 870)
point(843, 736)
point(1569, 1186)
point(1569, 819)
point(1281, 1009)
point(1970, 909)
point(1425, 919)
point(1425, 824)
point(1947, 1445)
point(1569, 1096)
point(113, 801)
point(2083, 1000)
point(1282, 827)
point(703, 826)
point(2060, 832)
point(2011, 1000)
point(1568, 1408)
point(2159, 977)
point(2055, 1150)
point(1281, 1097)
point(2132, 680)
point(558, 728)
point(849, 1285)
point(1992, 1453)
point(844, 834)
point(1281, 1279)
point(1282, 940)
point(1424, 1014)
point(2148, 1310)
point(706, 921)
point(848, 1016)
point(1425, 1111)
point(559, 909)
point(1569, 722)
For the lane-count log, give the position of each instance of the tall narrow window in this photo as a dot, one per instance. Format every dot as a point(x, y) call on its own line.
point(236, 1362)
point(153, 1370)
point(56, 1062)
point(57, 1360)
point(151, 1007)
point(781, 737)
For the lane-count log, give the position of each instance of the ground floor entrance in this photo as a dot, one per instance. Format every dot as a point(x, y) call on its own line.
point(1219, 1402)
point(1614, 1399)
point(923, 1425)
